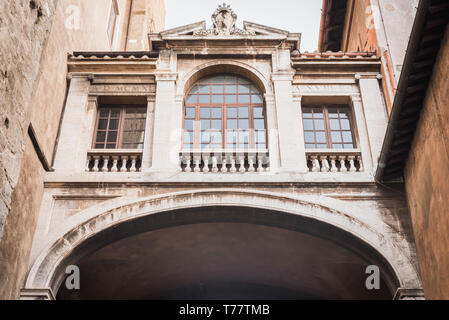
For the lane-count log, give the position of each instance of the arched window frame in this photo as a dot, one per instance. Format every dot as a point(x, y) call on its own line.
point(221, 94)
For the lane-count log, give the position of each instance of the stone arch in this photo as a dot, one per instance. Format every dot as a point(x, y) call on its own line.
point(224, 66)
point(78, 235)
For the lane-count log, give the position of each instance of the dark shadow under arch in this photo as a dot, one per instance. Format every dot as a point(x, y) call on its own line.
point(236, 215)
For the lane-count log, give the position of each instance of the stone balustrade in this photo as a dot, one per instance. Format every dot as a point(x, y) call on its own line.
point(334, 161)
point(225, 161)
point(114, 161)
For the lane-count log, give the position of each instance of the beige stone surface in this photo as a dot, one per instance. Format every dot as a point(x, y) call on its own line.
point(427, 182)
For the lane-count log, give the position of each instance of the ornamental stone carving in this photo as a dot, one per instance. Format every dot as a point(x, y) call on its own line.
point(223, 24)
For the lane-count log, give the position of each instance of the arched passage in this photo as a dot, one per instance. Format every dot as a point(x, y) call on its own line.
point(301, 241)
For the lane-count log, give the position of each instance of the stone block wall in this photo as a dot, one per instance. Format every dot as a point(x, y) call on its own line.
point(24, 28)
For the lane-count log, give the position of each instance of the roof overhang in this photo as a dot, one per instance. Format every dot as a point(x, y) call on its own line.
point(431, 22)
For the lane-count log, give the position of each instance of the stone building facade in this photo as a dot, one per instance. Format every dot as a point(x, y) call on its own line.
point(221, 163)
point(36, 37)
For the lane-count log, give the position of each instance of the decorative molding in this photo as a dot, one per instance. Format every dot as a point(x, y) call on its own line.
point(37, 294)
point(98, 89)
point(409, 294)
point(166, 76)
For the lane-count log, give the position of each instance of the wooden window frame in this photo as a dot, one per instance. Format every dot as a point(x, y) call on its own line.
point(224, 106)
point(120, 129)
point(327, 126)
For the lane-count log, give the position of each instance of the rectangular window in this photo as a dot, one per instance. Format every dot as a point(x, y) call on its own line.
point(120, 127)
point(112, 23)
point(328, 127)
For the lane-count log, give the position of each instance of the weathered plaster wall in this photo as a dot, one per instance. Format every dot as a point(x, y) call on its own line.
point(47, 96)
point(427, 182)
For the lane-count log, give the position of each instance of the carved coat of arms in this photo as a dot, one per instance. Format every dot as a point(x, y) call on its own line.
point(223, 23)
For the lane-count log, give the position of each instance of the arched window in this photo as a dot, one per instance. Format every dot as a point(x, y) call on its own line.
point(224, 112)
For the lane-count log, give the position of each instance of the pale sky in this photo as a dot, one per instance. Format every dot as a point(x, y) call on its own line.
point(301, 16)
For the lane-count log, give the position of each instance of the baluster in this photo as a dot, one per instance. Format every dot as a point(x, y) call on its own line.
point(352, 167)
point(106, 163)
point(196, 163)
point(251, 159)
point(342, 160)
point(333, 160)
point(259, 163)
point(214, 164)
point(188, 159)
point(242, 163)
point(133, 164)
point(359, 159)
point(114, 167)
point(206, 163)
point(315, 164)
point(88, 162)
point(233, 168)
point(325, 164)
point(96, 163)
point(224, 168)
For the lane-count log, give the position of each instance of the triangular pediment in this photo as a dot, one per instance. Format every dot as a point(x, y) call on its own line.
point(186, 30)
point(263, 30)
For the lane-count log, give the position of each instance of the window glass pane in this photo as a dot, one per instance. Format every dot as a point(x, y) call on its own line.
point(347, 136)
point(191, 99)
point(243, 80)
point(205, 125)
point(99, 146)
point(337, 146)
point(243, 137)
point(322, 146)
point(113, 124)
point(345, 125)
point(112, 136)
point(187, 146)
point(244, 98)
point(336, 137)
point(101, 136)
point(320, 137)
point(217, 89)
point(110, 146)
point(244, 124)
point(260, 146)
point(232, 112)
point(231, 89)
point(216, 124)
point(205, 137)
point(231, 99)
point(307, 113)
point(217, 99)
point(333, 113)
point(232, 124)
point(216, 137)
point(319, 124)
point(204, 89)
point(310, 146)
point(258, 112)
point(309, 137)
point(133, 137)
point(188, 137)
point(205, 146)
point(243, 88)
point(243, 112)
point(189, 124)
point(104, 112)
point(231, 137)
point(190, 112)
point(256, 99)
point(205, 112)
point(102, 124)
point(335, 124)
point(259, 124)
point(260, 136)
point(349, 146)
point(318, 113)
point(218, 79)
point(115, 113)
point(204, 99)
point(231, 79)
point(216, 113)
point(308, 124)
